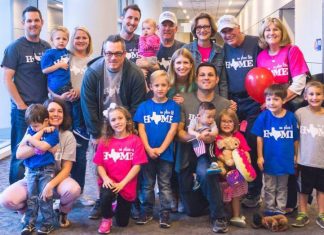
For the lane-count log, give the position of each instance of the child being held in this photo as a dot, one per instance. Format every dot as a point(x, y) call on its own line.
point(310, 155)
point(148, 47)
point(277, 139)
point(204, 125)
point(40, 168)
point(55, 63)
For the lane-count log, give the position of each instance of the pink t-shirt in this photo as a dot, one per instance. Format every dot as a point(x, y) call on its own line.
point(148, 45)
point(243, 144)
point(205, 53)
point(278, 64)
point(118, 157)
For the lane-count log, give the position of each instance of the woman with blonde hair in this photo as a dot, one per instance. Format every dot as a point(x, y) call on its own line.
point(182, 74)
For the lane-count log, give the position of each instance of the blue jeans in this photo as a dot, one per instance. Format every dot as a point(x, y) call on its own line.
point(210, 188)
point(37, 179)
point(78, 171)
point(163, 171)
point(18, 129)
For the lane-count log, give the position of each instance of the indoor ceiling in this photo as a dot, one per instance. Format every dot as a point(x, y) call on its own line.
point(187, 9)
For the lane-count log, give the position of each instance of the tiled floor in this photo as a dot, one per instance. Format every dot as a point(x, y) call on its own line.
point(182, 224)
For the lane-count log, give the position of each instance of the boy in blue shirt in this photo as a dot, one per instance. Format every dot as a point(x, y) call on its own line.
point(157, 120)
point(277, 136)
point(55, 63)
point(40, 167)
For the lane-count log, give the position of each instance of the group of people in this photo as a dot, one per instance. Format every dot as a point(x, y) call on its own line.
point(143, 104)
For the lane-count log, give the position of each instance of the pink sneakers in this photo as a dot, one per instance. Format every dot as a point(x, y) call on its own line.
point(105, 225)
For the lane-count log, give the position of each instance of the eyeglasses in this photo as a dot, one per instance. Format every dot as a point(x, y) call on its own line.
point(200, 27)
point(110, 54)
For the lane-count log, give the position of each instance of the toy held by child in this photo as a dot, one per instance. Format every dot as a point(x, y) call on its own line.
point(118, 158)
point(40, 168)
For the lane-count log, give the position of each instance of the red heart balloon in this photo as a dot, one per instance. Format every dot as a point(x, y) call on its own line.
point(256, 81)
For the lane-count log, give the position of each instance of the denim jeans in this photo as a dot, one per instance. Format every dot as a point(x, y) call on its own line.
point(210, 188)
point(78, 171)
point(37, 179)
point(18, 129)
point(162, 170)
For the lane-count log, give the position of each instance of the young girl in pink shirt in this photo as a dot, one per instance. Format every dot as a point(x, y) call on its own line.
point(118, 158)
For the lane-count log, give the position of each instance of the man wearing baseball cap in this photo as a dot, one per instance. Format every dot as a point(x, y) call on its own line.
point(167, 29)
point(240, 53)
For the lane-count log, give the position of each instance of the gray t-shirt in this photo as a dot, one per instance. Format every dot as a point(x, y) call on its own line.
point(78, 67)
point(66, 149)
point(112, 81)
point(189, 108)
point(132, 48)
point(311, 146)
point(24, 57)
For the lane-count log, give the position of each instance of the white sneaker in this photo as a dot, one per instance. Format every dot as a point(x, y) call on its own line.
point(87, 200)
point(238, 221)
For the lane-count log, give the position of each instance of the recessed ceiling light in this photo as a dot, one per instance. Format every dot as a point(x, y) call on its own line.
point(184, 11)
point(187, 17)
point(180, 3)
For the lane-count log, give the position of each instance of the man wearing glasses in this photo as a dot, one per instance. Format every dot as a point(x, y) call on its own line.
point(111, 79)
point(24, 80)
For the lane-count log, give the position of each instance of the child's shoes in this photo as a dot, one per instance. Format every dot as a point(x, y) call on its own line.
point(213, 169)
point(105, 225)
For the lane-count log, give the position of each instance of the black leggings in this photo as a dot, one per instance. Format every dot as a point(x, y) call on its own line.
point(123, 209)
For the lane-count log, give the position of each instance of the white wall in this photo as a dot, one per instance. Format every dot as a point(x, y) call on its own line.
point(255, 11)
point(6, 38)
point(308, 27)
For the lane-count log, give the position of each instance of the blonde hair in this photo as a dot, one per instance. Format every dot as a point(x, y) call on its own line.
point(316, 84)
point(232, 115)
point(149, 21)
point(172, 74)
point(204, 15)
point(60, 28)
point(108, 131)
point(159, 73)
point(285, 38)
point(89, 49)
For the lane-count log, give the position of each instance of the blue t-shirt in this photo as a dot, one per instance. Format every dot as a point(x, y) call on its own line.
point(43, 159)
point(60, 77)
point(279, 135)
point(157, 118)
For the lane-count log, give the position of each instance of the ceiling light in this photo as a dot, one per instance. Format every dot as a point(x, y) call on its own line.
point(230, 3)
point(187, 17)
point(180, 3)
point(59, 5)
point(184, 11)
point(226, 10)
